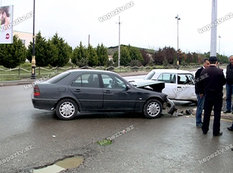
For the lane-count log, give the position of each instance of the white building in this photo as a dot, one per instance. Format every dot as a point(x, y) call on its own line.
point(25, 37)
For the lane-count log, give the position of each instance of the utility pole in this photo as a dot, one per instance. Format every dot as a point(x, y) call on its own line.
point(33, 75)
point(89, 39)
point(178, 60)
point(219, 39)
point(119, 44)
point(213, 40)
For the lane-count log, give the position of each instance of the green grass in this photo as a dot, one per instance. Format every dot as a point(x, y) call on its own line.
point(24, 72)
point(104, 142)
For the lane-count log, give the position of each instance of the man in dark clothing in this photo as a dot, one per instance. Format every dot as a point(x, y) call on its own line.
point(229, 85)
point(229, 88)
point(212, 86)
point(200, 99)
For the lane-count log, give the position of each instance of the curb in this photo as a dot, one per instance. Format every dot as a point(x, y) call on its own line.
point(228, 116)
point(14, 83)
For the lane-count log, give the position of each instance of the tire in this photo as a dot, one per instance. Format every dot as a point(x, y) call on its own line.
point(152, 109)
point(66, 109)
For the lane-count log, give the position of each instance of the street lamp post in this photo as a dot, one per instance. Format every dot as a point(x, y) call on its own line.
point(119, 45)
point(33, 74)
point(213, 42)
point(178, 60)
point(219, 39)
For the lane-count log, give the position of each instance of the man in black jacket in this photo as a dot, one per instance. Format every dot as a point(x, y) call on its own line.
point(212, 86)
point(229, 88)
point(200, 98)
point(229, 85)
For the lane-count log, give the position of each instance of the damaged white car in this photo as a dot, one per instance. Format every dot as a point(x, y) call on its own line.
point(179, 84)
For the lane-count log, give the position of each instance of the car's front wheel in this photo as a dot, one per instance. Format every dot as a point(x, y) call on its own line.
point(66, 109)
point(152, 109)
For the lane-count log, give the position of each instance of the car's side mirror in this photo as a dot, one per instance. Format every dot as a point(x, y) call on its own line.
point(127, 87)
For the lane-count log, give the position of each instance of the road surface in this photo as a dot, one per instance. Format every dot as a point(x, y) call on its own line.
point(31, 138)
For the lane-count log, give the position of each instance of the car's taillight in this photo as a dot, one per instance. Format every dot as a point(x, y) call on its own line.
point(36, 90)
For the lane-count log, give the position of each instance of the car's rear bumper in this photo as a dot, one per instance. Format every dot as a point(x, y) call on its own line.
point(47, 104)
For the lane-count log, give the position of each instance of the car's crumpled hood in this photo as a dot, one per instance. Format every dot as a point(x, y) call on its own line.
point(154, 85)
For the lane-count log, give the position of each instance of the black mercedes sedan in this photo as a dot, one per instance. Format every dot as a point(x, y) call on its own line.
point(77, 91)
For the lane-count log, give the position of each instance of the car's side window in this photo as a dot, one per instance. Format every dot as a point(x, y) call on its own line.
point(87, 80)
point(113, 82)
point(185, 79)
point(167, 77)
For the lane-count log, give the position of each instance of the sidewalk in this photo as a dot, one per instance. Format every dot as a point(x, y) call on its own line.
point(227, 116)
point(16, 82)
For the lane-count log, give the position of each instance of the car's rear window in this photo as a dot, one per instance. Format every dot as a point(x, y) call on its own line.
point(57, 78)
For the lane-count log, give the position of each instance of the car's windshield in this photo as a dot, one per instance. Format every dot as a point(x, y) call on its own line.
point(150, 75)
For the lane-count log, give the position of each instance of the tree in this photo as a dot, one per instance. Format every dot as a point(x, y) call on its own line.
point(125, 57)
point(158, 57)
point(52, 52)
point(12, 55)
point(63, 50)
point(195, 58)
point(92, 56)
point(135, 54)
point(170, 54)
point(80, 55)
point(167, 55)
point(146, 57)
point(41, 51)
point(189, 58)
point(222, 58)
point(102, 54)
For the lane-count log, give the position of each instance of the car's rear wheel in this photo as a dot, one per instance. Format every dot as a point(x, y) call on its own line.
point(152, 109)
point(66, 109)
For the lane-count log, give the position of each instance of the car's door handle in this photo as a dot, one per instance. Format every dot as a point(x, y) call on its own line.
point(77, 90)
point(179, 87)
point(107, 92)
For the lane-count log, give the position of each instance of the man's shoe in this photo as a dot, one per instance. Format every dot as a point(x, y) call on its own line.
point(204, 132)
point(226, 112)
point(219, 134)
point(230, 128)
point(199, 125)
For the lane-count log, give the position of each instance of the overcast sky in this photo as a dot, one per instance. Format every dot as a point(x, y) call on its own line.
point(148, 23)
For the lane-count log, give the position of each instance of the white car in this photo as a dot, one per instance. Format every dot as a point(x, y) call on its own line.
point(179, 84)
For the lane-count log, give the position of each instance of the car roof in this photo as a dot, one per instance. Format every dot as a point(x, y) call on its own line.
point(90, 70)
point(170, 71)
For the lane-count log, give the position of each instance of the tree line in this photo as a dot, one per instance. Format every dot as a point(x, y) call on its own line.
point(57, 53)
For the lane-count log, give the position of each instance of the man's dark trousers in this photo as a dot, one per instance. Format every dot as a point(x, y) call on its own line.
point(212, 100)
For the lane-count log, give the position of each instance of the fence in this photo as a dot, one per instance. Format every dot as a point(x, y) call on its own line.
point(24, 72)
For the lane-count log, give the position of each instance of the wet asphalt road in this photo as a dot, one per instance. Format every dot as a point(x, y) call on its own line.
point(33, 138)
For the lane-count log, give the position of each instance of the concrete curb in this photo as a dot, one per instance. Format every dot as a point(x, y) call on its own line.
point(228, 116)
point(16, 82)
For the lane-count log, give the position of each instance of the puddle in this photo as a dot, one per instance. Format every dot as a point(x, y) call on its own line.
point(67, 163)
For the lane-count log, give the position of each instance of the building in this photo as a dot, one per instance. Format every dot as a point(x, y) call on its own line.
point(25, 37)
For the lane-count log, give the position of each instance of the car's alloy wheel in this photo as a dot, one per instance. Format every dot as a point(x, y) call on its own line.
point(152, 108)
point(66, 109)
